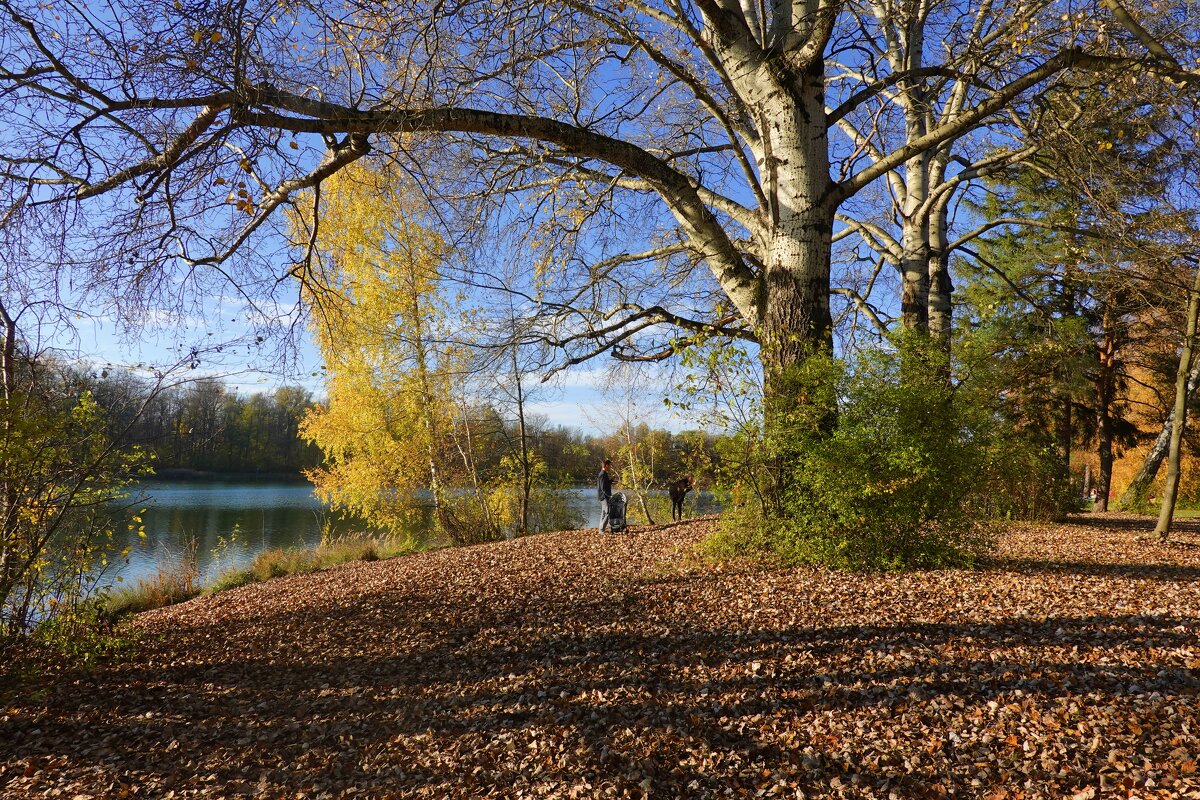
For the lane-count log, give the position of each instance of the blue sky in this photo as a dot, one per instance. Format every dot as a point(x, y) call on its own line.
point(579, 398)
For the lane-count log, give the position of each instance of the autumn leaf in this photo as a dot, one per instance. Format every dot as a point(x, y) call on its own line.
point(576, 665)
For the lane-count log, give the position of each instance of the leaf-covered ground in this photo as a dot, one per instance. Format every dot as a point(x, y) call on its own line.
point(576, 665)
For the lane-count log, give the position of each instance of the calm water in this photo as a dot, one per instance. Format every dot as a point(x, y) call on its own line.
point(264, 516)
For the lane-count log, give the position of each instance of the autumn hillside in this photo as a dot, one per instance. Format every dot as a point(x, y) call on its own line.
point(571, 664)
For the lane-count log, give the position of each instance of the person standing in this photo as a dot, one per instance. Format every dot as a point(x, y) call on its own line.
point(604, 492)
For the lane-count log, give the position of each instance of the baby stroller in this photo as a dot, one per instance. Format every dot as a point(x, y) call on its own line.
point(616, 512)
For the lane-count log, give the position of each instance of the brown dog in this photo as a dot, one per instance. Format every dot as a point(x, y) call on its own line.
point(678, 490)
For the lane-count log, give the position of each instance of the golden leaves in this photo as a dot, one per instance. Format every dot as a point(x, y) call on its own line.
point(201, 34)
point(376, 307)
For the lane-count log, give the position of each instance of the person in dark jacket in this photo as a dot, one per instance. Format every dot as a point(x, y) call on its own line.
point(678, 490)
point(604, 485)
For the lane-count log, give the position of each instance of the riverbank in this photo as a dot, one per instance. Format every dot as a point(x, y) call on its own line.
point(572, 664)
point(181, 581)
point(184, 475)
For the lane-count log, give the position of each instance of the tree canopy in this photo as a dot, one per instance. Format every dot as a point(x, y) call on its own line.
point(680, 165)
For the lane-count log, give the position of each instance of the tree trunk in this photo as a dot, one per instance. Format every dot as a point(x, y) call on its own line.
point(1104, 399)
point(1063, 396)
point(915, 250)
point(526, 467)
point(471, 469)
point(1166, 513)
point(633, 472)
point(1104, 444)
point(795, 317)
point(1147, 472)
point(941, 288)
point(8, 490)
point(440, 512)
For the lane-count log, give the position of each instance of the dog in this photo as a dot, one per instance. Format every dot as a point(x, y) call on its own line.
point(678, 490)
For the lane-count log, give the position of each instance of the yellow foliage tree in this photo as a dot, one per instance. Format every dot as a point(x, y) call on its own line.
point(372, 286)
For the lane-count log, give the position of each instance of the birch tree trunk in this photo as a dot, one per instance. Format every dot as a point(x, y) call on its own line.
point(635, 482)
point(796, 319)
point(470, 468)
point(428, 422)
point(941, 287)
point(526, 465)
point(914, 267)
point(1135, 492)
point(1166, 513)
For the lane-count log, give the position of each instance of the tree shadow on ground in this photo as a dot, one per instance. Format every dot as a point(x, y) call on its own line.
point(510, 698)
point(1173, 573)
point(1133, 523)
point(1149, 560)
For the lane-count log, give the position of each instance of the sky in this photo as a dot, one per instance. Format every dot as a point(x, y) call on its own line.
point(581, 398)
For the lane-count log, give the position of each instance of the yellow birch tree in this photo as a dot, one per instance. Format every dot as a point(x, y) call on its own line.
point(371, 282)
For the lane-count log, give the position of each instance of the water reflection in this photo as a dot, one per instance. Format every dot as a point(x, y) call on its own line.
point(232, 522)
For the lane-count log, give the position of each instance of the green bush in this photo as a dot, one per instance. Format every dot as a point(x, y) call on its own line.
point(80, 637)
point(1021, 479)
point(874, 471)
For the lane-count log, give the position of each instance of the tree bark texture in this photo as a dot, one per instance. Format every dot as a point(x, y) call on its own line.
point(796, 321)
point(941, 287)
point(914, 267)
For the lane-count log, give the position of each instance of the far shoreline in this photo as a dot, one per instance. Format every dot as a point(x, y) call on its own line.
point(207, 476)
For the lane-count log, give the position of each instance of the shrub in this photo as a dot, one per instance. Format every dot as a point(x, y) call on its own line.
point(80, 637)
point(1021, 479)
point(60, 475)
point(881, 483)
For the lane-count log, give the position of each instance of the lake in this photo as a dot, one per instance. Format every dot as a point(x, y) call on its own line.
point(264, 516)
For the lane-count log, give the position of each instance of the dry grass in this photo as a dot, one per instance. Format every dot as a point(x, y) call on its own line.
point(179, 579)
point(176, 579)
point(278, 562)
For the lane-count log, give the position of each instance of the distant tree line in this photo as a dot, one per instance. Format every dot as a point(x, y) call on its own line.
point(659, 456)
point(206, 427)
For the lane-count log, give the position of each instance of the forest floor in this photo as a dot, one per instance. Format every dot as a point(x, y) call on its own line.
point(578, 665)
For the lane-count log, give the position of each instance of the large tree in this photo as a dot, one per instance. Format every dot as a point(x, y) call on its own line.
point(715, 135)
